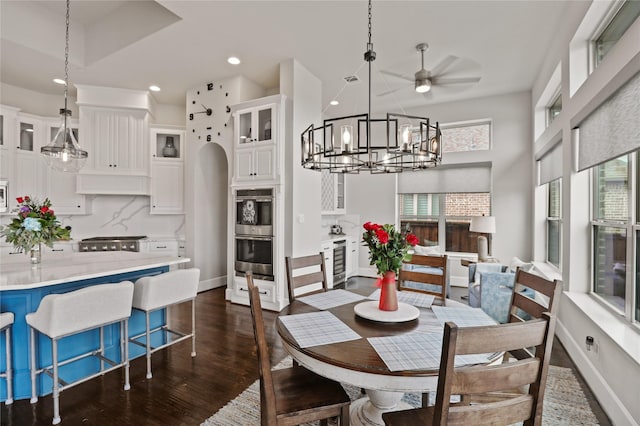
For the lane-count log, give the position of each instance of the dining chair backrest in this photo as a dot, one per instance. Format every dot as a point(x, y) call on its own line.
point(546, 297)
point(508, 407)
point(425, 274)
point(304, 271)
point(267, 393)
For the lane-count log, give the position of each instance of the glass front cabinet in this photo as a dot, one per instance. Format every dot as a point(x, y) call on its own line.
point(167, 170)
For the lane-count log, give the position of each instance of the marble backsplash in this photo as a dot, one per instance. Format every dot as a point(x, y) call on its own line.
point(120, 215)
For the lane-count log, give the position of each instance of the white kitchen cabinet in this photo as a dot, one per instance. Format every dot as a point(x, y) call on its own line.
point(167, 171)
point(116, 140)
point(167, 188)
point(332, 193)
point(353, 251)
point(258, 136)
point(327, 250)
point(60, 187)
point(256, 125)
point(255, 163)
point(114, 124)
point(28, 164)
point(7, 153)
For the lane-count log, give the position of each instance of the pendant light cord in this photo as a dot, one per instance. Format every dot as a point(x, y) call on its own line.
point(369, 57)
point(66, 68)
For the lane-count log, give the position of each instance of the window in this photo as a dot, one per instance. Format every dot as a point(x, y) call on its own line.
point(554, 109)
point(554, 222)
point(611, 231)
point(443, 219)
point(615, 29)
point(470, 136)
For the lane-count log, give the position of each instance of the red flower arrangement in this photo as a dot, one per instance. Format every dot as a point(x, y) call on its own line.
point(387, 247)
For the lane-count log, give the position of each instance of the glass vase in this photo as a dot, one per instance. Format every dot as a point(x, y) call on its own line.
point(388, 292)
point(35, 254)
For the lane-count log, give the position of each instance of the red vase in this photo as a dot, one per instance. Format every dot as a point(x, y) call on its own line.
point(388, 292)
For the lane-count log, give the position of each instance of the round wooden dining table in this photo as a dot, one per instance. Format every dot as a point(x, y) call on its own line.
point(357, 363)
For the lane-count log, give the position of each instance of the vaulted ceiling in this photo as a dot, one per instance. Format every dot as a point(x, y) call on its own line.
point(178, 45)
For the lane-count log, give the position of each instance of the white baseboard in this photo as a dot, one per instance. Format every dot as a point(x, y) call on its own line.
point(607, 399)
point(212, 283)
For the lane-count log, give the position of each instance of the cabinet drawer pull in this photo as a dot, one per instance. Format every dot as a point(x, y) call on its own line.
point(57, 249)
point(161, 247)
point(261, 292)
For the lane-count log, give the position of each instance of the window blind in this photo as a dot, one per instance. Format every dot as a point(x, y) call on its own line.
point(613, 129)
point(441, 180)
point(550, 165)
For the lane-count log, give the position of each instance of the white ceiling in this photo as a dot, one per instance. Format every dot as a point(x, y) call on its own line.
point(179, 45)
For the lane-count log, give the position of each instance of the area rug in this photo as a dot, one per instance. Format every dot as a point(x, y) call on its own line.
point(564, 402)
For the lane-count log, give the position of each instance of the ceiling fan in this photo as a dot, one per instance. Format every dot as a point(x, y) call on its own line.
point(424, 79)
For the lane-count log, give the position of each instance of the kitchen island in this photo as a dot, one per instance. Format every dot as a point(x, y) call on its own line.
point(22, 287)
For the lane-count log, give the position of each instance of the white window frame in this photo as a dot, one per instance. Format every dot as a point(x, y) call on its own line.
point(555, 219)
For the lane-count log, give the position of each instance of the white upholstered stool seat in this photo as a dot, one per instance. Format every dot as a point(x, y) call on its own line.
point(161, 291)
point(6, 321)
point(61, 315)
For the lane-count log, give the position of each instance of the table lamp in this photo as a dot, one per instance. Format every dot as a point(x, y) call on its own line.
point(483, 225)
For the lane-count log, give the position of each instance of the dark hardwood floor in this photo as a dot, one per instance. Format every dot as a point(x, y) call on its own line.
point(185, 390)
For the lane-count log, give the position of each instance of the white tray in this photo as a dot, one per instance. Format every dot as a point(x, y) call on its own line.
point(370, 311)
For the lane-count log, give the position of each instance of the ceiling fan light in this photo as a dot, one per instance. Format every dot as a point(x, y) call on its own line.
point(423, 86)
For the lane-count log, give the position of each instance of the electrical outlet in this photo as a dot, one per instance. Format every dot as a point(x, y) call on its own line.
point(592, 347)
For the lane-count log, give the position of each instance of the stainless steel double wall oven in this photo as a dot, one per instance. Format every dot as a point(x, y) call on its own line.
point(254, 232)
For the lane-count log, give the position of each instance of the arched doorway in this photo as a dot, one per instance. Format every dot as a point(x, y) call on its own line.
point(209, 227)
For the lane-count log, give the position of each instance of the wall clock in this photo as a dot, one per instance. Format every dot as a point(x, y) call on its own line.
point(199, 114)
point(208, 114)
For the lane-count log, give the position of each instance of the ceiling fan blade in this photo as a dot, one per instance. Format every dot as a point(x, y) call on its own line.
point(455, 80)
point(393, 74)
point(443, 65)
point(388, 92)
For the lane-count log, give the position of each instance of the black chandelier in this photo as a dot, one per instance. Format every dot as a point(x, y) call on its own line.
point(345, 144)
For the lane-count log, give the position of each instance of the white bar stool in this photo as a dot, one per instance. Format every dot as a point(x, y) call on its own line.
point(61, 315)
point(6, 321)
point(161, 291)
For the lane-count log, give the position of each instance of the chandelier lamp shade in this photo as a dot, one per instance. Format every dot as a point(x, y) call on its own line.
point(356, 143)
point(63, 153)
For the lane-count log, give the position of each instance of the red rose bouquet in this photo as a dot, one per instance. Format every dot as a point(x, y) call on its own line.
point(387, 246)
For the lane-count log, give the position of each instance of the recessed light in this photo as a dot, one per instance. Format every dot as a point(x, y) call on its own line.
point(58, 81)
point(233, 60)
point(334, 102)
point(154, 88)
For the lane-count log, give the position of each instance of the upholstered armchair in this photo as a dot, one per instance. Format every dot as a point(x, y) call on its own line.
point(475, 271)
point(492, 290)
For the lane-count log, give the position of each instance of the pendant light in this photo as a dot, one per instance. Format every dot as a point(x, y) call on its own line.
point(63, 153)
point(356, 143)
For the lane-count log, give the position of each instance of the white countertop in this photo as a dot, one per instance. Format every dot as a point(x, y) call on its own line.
point(334, 237)
point(57, 268)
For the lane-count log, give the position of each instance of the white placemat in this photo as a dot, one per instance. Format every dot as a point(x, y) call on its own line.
point(409, 297)
point(330, 299)
point(418, 351)
point(317, 328)
point(463, 317)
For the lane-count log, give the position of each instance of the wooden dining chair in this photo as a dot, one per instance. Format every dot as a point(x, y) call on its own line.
point(488, 388)
point(523, 307)
point(292, 396)
point(314, 273)
point(425, 274)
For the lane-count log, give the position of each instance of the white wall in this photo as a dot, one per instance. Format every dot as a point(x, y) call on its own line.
point(302, 197)
point(373, 196)
point(36, 103)
point(612, 371)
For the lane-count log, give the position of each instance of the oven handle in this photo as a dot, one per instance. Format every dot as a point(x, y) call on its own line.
point(257, 199)
point(253, 237)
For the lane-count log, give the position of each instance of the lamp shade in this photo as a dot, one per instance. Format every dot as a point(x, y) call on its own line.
point(483, 224)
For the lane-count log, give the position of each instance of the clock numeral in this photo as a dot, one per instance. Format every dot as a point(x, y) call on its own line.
point(190, 116)
point(208, 138)
point(209, 86)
